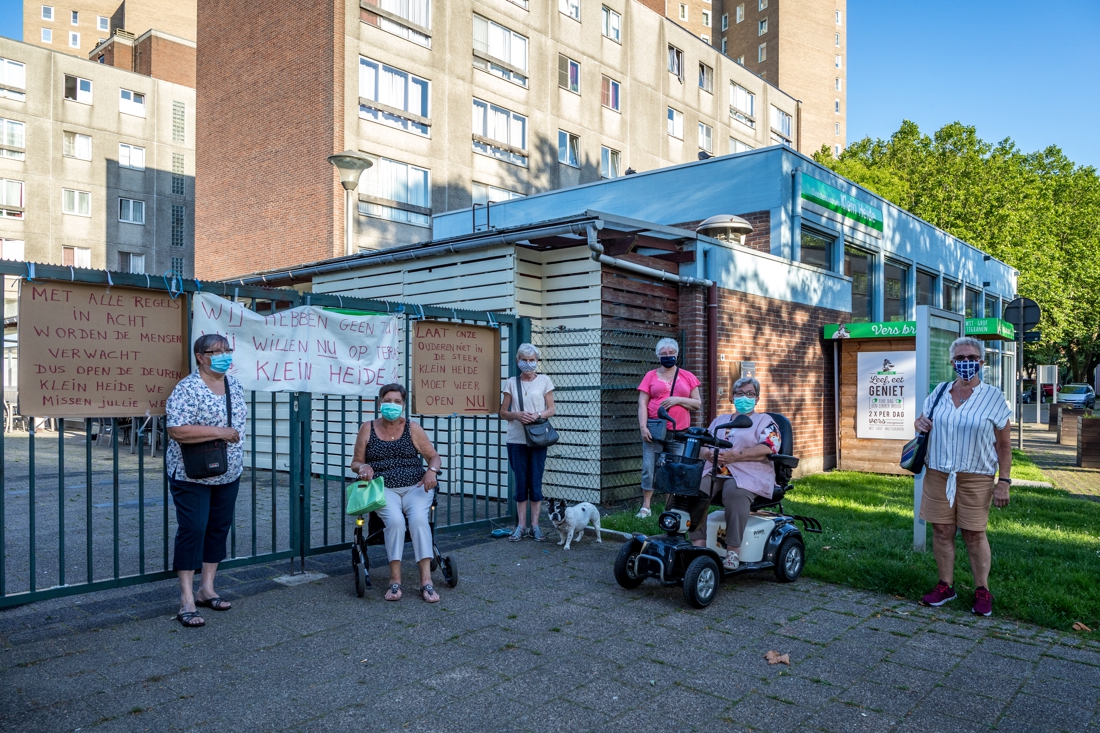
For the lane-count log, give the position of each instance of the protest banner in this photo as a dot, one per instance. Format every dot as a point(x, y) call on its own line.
point(97, 351)
point(456, 369)
point(304, 349)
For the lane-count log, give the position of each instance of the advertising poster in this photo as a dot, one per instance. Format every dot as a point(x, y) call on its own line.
point(886, 403)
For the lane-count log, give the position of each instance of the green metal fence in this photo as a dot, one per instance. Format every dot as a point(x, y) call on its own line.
point(85, 504)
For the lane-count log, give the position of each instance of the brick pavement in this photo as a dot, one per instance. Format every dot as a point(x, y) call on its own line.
point(535, 638)
point(1057, 461)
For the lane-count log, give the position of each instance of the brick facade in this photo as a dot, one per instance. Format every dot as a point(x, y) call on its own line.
point(761, 237)
point(162, 58)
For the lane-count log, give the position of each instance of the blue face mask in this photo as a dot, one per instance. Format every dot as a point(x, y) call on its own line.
point(390, 411)
point(220, 363)
point(744, 405)
point(668, 361)
point(967, 369)
point(527, 367)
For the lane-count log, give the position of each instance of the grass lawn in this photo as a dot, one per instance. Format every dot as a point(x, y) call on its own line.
point(1024, 468)
point(1046, 546)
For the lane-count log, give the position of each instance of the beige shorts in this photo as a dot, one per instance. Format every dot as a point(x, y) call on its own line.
point(973, 497)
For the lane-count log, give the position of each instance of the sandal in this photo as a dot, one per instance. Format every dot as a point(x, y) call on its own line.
point(731, 561)
point(188, 618)
point(214, 603)
point(643, 513)
point(427, 591)
point(394, 593)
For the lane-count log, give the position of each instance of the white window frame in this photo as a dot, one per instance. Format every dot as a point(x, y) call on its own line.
point(403, 10)
point(486, 119)
point(132, 263)
point(683, 11)
point(839, 62)
point(13, 139)
point(706, 137)
point(13, 76)
point(569, 149)
point(675, 123)
point(13, 198)
point(737, 146)
point(762, 52)
point(131, 156)
point(839, 85)
point(762, 5)
point(82, 256)
point(742, 105)
point(614, 94)
point(131, 211)
point(501, 44)
point(706, 18)
point(762, 27)
point(836, 106)
point(725, 21)
point(724, 46)
point(676, 62)
point(782, 125)
point(83, 96)
point(397, 87)
point(78, 204)
point(837, 40)
point(103, 24)
point(569, 65)
point(740, 59)
point(838, 18)
point(131, 102)
point(76, 145)
point(47, 35)
point(570, 9)
point(392, 199)
point(740, 12)
point(612, 25)
point(74, 17)
point(13, 250)
point(484, 193)
point(611, 162)
point(706, 78)
point(74, 39)
point(47, 12)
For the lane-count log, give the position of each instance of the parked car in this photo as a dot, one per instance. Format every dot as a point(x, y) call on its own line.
point(1078, 395)
point(1027, 396)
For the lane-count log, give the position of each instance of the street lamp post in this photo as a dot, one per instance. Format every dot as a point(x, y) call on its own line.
point(351, 165)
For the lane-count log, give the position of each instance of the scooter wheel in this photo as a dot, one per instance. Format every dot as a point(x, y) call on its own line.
point(701, 582)
point(625, 575)
point(790, 560)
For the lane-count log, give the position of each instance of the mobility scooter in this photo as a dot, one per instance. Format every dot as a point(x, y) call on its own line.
point(772, 540)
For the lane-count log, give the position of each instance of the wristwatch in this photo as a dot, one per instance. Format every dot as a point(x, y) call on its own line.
point(1006, 480)
point(433, 470)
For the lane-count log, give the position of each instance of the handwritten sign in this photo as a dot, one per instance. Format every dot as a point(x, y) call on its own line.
point(304, 349)
point(886, 402)
point(94, 351)
point(456, 369)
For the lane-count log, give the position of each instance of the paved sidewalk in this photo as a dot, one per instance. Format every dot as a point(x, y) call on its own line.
point(1057, 461)
point(537, 639)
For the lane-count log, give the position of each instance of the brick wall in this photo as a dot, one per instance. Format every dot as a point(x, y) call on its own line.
point(761, 237)
point(267, 118)
point(693, 322)
point(165, 59)
point(119, 55)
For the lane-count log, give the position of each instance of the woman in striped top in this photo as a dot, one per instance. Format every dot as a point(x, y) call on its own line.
point(970, 443)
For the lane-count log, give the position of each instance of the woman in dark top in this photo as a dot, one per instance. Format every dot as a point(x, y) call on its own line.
point(394, 447)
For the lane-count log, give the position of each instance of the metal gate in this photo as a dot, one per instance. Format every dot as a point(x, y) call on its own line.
point(84, 504)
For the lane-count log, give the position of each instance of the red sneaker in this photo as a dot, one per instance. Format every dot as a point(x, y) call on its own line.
point(983, 602)
point(940, 595)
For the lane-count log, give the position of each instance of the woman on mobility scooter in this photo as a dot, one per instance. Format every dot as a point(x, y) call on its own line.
point(394, 448)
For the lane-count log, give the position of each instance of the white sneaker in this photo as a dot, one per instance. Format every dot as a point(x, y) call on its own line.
point(731, 561)
point(642, 513)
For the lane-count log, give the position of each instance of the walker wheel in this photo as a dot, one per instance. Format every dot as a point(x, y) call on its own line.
point(361, 580)
point(450, 572)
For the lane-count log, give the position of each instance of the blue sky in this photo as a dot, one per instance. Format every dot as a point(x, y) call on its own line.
point(1010, 68)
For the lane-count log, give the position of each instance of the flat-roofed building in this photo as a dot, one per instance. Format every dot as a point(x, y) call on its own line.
point(78, 26)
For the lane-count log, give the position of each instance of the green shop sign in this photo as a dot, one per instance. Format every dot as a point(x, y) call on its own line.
point(988, 327)
point(834, 199)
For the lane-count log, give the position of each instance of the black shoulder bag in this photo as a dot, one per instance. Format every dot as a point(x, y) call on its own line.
point(915, 451)
point(540, 433)
point(209, 458)
point(658, 428)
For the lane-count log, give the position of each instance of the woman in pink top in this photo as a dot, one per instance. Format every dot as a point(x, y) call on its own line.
point(675, 389)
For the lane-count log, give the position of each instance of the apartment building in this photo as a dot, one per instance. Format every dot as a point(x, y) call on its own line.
point(78, 26)
point(466, 102)
point(96, 164)
point(801, 46)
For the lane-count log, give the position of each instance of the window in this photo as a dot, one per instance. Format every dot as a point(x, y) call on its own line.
point(839, 62)
point(676, 61)
point(836, 128)
point(12, 249)
point(706, 78)
point(75, 145)
point(11, 199)
point(742, 105)
point(572, 8)
point(704, 38)
point(740, 12)
point(493, 42)
point(408, 19)
point(75, 17)
point(103, 24)
point(675, 123)
point(838, 17)
point(179, 122)
point(484, 194)
point(13, 78)
point(926, 288)
point(706, 138)
point(781, 124)
point(683, 12)
point(177, 266)
point(76, 257)
point(13, 139)
point(839, 84)
point(950, 300)
point(762, 53)
point(725, 21)
point(78, 203)
point(131, 262)
point(396, 191)
point(609, 93)
point(817, 250)
point(131, 156)
point(47, 35)
point(392, 97)
point(177, 174)
point(973, 304)
point(762, 5)
point(741, 59)
point(991, 309)
point(836, 150)
point(500, 133)
point(736, 146)
point(47, 12)
point(837, 39)
point(77, 89)
point(131, 103)
point(74, 39)
point(724, 46)
point(762, 27)
point(895, 301)
point(612, 25)
point(177, 226)
point(609, 162)
point(706, 18)
point(836, 106)
point(569, 74)
point(859, 265)
point(131, 211)
point(569, 149)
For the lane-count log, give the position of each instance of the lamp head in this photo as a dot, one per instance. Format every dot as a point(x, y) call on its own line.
point(351, 165)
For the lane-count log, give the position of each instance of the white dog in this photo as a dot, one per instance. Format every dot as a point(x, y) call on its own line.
point(573, 519)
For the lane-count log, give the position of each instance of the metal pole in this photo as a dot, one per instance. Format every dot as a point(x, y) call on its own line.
point(349, 202)
point(1020, 382)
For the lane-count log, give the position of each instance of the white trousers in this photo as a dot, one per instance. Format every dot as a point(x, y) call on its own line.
point(414, 503)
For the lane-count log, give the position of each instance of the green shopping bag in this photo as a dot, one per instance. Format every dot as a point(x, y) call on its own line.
point(365, 496)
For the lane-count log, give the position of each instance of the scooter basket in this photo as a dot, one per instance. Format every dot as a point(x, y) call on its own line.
point(678, 475)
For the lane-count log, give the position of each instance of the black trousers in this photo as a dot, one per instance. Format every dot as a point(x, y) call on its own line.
point(204, 513)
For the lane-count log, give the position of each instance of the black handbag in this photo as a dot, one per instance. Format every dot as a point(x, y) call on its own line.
point(658, 428)
point(210, 457)
point(916, 450)
point(540, 433)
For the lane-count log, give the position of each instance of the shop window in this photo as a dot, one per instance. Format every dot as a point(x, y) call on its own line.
point(926, 288)
point(817, 250)
point(895, 305)
point(973, 303)
point(950, 297)
point(991, 309)
point(859, 265)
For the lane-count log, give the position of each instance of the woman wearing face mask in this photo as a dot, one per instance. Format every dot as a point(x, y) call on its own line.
point(676, 390)
point(527, 461)
point(394, 448)
point(204, 506)
point(741, 473)
point(968, 465)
